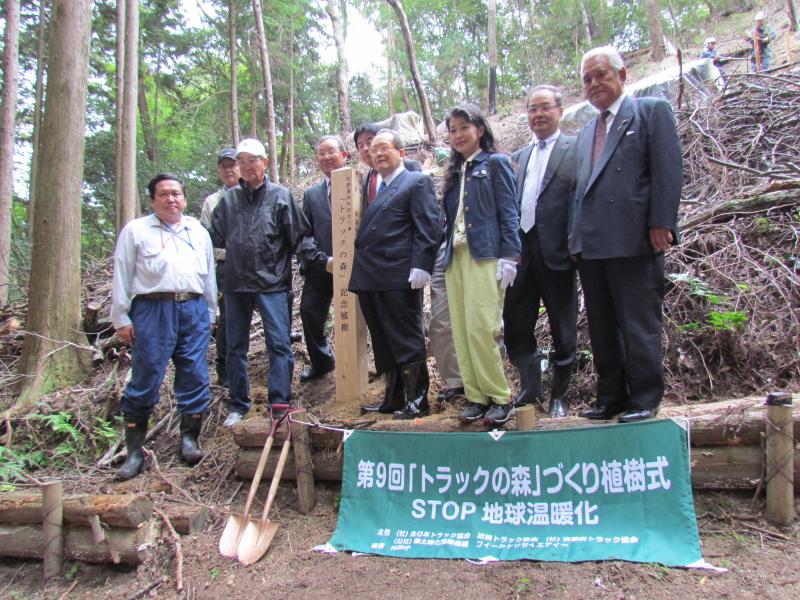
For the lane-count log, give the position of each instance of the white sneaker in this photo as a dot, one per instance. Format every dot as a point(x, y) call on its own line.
point(232, 419)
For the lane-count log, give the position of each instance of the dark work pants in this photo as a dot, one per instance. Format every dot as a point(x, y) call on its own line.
point(164, 330)
point(219, 336)
point(624, 297)
point(315, 303)
point(394, 320)
point(536, 283)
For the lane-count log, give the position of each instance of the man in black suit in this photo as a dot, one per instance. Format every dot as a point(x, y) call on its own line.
point(545, 187)
point(363, 137)
point(623, 218)
point(395, 249)
point(318, 287)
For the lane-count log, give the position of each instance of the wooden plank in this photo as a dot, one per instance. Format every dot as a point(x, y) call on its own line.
point(303, 464)
point(327, 466)
point(350, 329)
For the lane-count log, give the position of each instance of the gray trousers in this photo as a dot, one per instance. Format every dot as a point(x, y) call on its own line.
point(439, 331)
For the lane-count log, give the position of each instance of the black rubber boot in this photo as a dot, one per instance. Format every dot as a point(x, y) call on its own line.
point(559, 391)
point(416, 383)
point(529, 367)
point(392, 396)
point(190, 431)
point(135, 432)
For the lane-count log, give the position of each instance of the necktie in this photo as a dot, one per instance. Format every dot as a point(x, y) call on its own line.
point(328, 185)
point(373, 177)
point(599, 136)
point(530, 191)
point(381, 187)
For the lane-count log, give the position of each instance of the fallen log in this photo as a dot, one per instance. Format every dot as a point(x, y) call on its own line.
point(116, 510)
point(713, 467)
point(728, 423)
point(186, 518)
point(128, 546)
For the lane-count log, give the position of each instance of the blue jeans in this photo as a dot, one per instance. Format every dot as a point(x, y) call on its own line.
point(164, 330)
point(271, 306)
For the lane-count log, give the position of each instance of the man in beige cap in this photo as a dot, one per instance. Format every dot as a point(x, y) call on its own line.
point(761, 36)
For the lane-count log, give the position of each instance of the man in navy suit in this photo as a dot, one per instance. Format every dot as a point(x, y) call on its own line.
point(318, 287)
point(363, 137)
point(395, 249)
point(545, 187)
point(623, 218)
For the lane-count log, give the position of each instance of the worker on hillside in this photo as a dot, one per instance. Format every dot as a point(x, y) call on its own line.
point(164, 303)
point(710, 51)
point(759, 39)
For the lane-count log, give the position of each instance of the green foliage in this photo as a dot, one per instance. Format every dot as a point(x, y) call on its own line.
point(719, 318)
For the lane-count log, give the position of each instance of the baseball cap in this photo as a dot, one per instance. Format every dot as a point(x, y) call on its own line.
point(759, 16)
point(251, 146)
point(226, 153)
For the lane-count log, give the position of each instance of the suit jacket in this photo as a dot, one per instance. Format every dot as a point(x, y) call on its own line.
point(635, 185)
point(398, 231)
point(317, 209)
point(410, 165)
point(555, 197)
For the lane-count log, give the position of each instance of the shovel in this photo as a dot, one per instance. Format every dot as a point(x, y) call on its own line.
point(234, 528)
point(258, 534)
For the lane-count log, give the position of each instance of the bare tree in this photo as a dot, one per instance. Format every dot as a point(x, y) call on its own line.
point(234, 72)
point(389, 59)
point(128, 200)
point(657, 48)
point(7, 120)
point(148, 130)
point(492, 26)
point(292, 164)
point(265, 68)
point(342, 77)
point(427, 116)
point(38, 97)
point(53, 354)
point(793, 19)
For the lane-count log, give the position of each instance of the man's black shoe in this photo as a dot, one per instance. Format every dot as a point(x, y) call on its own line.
point(632, 416)
point(472, 412)
point(295, 336)
point(498, 414)
point(310, 373)
point(450, 394)
point(600, 414)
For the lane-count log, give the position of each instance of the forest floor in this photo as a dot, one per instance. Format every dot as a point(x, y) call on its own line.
point(702, 365)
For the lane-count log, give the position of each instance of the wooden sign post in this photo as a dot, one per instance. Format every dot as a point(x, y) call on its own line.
point(349, 325)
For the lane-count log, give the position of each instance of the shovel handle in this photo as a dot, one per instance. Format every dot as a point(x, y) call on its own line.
point(262, 462)
point(276, 479)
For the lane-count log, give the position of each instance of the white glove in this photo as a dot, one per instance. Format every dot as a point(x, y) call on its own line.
point(418, 279)
point(506, 272)
point(329, 265)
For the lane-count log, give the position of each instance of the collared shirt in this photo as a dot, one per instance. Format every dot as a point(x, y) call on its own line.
point(206, 212)
point(538, 155)
point(613, 110)
point(153, 256)
point(459, 231)
point(391, 177)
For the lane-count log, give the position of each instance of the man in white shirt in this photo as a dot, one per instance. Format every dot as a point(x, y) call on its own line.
point(228, 172)
point(164, 303)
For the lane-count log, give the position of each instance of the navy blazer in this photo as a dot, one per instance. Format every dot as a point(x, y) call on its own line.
point(555, 197)
point(491, 215)
point(317, 210)
point(635, 185)
point(398, 231)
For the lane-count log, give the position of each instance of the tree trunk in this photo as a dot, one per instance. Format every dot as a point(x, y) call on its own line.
point(404, 90)
point(253, 107)
point(427, 116)
point(7, 120)
point(342, 77)
point(267, 73)
point(234, 74)
point(41, 67)
point(54, 354)
point(791, 8)
point(389, 59)
point(587, 23)
point(128, 200)
point(292, 165)
point(119, 129)
point(492, 86)
point(127, 511)
point(144, 117)
point(657, 48)
point(282, 170)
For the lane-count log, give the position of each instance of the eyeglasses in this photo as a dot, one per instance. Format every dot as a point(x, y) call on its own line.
point(540, 108)
point(250, 162)
point(375, 148)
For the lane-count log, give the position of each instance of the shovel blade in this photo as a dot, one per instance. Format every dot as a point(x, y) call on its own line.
point(255, 541)
point(231, 535)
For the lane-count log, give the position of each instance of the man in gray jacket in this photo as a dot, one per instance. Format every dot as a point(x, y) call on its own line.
point(261, 228)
